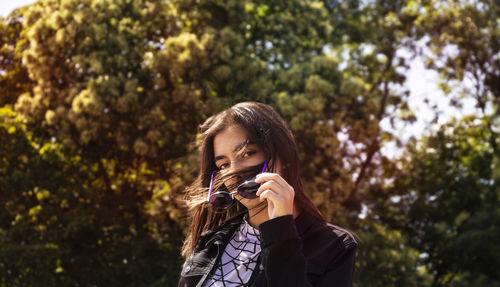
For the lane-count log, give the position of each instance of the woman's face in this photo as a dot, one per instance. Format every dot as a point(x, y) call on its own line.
point(227, 144)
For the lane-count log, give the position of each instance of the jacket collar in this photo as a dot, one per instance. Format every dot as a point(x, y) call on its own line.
point(220, 234)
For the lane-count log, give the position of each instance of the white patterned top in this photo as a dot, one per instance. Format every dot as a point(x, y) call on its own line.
point(239, 259)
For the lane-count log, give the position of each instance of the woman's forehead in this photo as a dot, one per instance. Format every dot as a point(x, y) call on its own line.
point(230, 140)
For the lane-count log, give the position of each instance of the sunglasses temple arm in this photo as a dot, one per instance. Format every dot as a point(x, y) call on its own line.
point(211, 183)
point(265, 165)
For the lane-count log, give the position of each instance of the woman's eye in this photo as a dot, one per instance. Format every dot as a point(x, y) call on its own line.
point(249, 153)
point(223, 166)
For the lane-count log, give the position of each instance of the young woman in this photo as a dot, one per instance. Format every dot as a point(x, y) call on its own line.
point(252, 224)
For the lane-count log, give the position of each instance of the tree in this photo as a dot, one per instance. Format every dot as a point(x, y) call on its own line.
point(448, 189)
point(386, 258)
point(14, 78)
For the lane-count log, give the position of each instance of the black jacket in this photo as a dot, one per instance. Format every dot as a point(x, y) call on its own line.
point(300, 252)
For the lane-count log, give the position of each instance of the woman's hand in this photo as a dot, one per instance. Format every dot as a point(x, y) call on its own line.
point(278, 192)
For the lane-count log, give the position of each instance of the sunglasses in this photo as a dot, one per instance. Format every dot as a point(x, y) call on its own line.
point(223, 199)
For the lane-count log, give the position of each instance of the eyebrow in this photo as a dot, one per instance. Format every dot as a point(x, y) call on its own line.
point(236, 148)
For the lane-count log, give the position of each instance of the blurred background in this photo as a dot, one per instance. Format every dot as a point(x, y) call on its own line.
point(394, 106)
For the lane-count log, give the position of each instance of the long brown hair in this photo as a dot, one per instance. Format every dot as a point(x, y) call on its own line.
point(266, 129)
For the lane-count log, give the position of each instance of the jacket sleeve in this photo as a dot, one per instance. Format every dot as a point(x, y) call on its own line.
point(285, 264)
point(343, 269)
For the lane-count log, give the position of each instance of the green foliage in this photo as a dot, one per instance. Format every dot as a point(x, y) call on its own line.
point(14, 78)
point(464, 36)
point(60, 225)
point(449, 194)
point(386, 259)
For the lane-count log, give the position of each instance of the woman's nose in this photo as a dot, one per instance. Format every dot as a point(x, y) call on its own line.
point(234, 166)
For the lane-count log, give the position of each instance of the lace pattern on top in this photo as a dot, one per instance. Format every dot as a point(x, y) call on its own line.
point(239, 259)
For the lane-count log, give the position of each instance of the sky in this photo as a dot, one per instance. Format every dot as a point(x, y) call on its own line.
point(422, 83)
point(6, 6)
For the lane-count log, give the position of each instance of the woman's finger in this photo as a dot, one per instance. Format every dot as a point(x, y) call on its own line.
point(271, 196)
point(271, 184)
point(266, 176)
point(278, 205)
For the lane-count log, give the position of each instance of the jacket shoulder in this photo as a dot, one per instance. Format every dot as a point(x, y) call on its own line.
point(339, 233)
point(326, 244)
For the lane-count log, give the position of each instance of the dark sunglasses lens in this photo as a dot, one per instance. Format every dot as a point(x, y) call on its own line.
point(248, 189)
point(221, 200)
